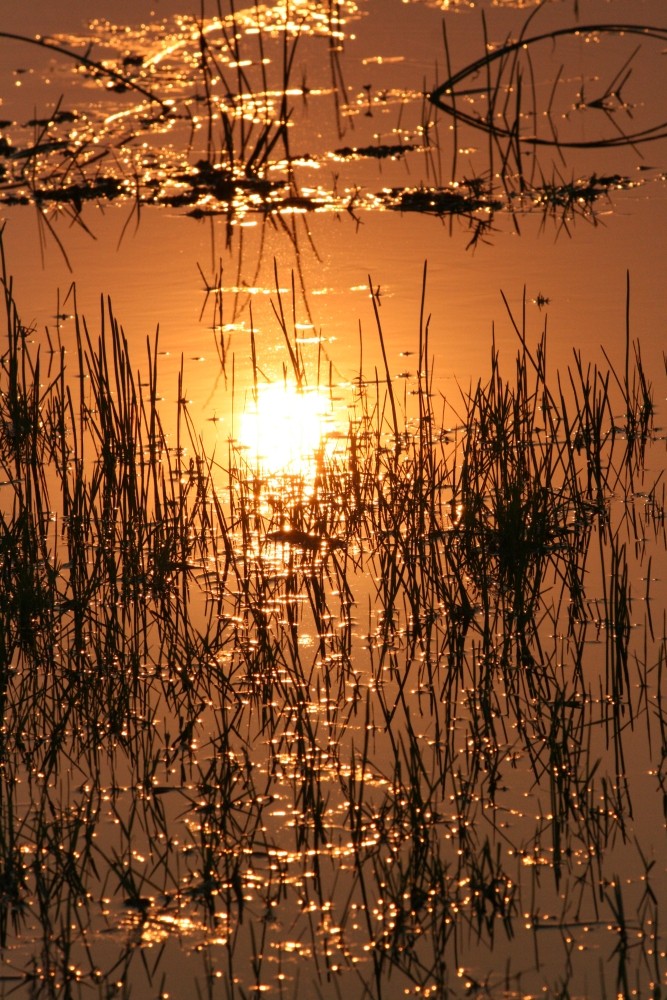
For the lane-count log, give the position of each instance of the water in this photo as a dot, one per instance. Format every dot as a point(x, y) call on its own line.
point(388, 721)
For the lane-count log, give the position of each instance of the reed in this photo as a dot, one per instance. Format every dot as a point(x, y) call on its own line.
point(199, 741)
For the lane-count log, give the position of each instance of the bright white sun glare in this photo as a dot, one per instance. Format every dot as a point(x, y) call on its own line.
point(284, 427)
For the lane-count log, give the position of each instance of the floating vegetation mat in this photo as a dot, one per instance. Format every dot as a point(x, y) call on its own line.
point(207, 115)
point(387, 724)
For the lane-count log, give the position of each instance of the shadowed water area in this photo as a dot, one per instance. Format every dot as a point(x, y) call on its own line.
point(332, 502)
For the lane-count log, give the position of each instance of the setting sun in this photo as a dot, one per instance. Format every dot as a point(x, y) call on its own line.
point(284, 427)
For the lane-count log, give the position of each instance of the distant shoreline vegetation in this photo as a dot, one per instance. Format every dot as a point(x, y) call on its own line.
point(217, 122)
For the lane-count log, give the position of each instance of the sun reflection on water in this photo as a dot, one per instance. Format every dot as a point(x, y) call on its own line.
point(284, 427)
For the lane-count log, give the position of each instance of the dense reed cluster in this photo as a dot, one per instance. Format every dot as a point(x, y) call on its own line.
point(373, 732)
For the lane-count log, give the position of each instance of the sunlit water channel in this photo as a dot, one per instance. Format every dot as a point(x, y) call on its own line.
point(332, 631)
